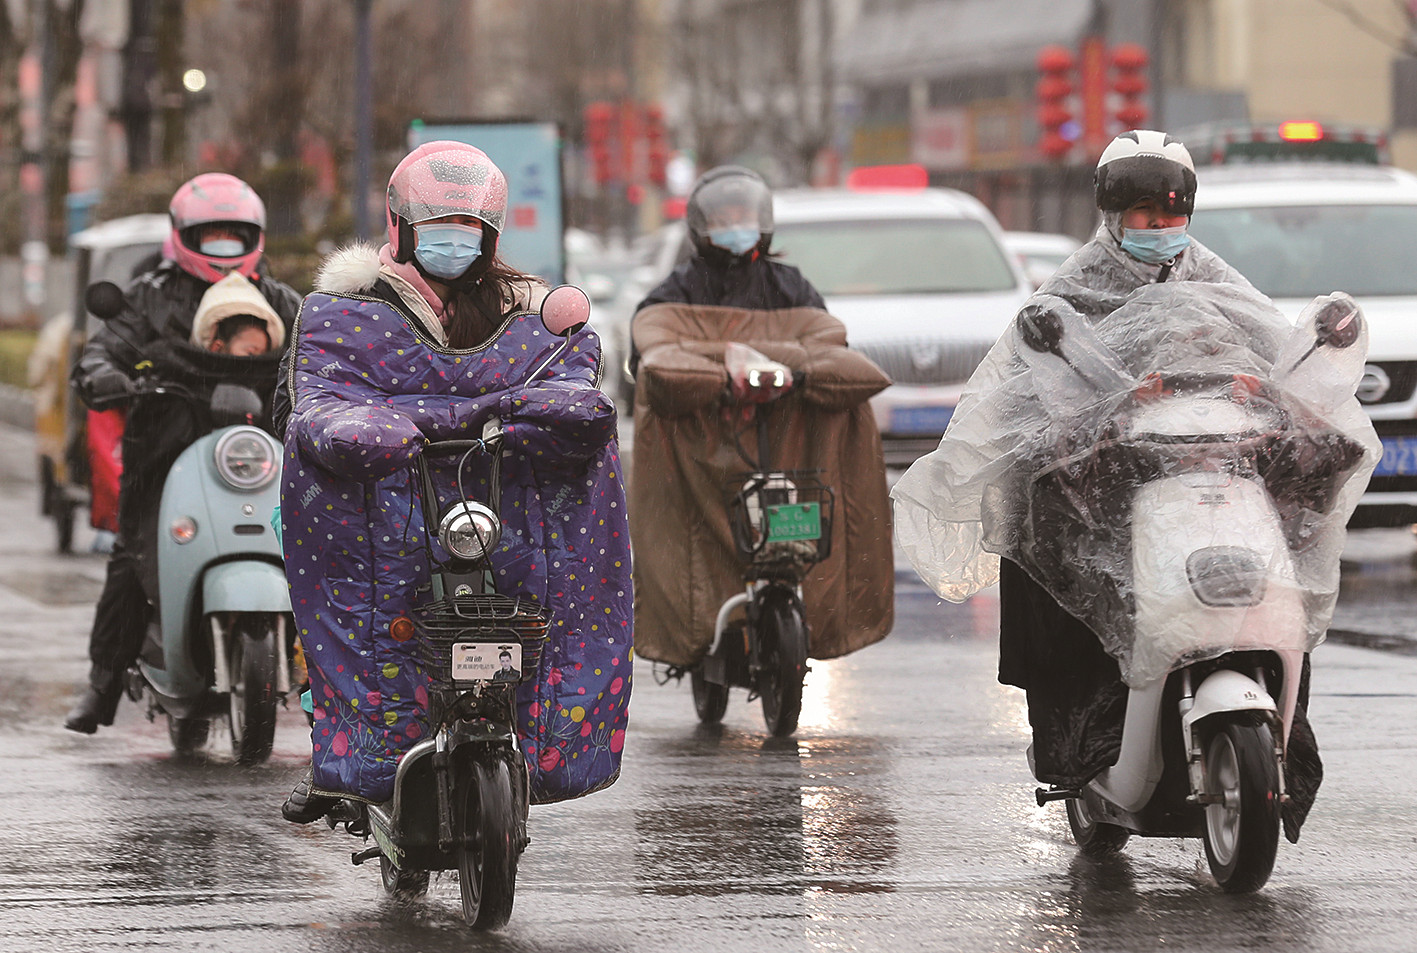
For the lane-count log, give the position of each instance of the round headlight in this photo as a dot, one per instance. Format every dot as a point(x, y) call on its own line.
point(246, 459)
point(469, 530)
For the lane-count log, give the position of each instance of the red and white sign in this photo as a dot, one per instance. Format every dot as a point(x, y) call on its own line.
point(939, 139)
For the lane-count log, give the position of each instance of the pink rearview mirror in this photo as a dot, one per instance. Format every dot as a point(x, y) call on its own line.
point(565, 310)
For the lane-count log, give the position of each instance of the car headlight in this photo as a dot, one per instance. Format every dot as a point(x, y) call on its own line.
point(469, 530)
point(246, 459)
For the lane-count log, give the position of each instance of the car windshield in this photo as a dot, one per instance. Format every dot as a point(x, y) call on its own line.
point(895, 256)
point(1307, 250)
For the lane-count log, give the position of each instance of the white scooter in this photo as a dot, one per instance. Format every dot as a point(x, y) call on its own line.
point(1218, 610)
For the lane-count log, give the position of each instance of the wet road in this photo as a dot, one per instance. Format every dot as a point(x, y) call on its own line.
point(899, 818)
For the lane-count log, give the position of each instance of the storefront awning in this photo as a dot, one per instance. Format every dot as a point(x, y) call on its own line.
point(945, 38)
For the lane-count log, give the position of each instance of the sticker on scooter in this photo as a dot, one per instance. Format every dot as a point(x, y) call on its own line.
point(487, 661)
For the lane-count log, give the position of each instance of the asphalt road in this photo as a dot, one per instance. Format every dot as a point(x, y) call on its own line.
point(899, 818)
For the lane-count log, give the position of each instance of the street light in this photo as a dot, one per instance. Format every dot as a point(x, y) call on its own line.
point(194, 81)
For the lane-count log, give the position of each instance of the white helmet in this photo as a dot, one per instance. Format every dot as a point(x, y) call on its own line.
point(1145, 164)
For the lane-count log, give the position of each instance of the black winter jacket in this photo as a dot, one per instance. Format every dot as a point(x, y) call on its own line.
point(759, 283)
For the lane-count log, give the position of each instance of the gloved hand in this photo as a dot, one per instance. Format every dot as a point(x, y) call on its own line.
point(109, 387)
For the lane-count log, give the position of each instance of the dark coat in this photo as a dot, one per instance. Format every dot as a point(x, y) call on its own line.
point(758, 284)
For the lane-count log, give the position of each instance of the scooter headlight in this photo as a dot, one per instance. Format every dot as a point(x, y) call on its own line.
point(246, 459)
point(1227, 575)
point(469, 530)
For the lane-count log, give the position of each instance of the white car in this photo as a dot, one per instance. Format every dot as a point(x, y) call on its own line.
point(923, 284)
point(1301, 229)
point(919, 277)
point(1040, 253)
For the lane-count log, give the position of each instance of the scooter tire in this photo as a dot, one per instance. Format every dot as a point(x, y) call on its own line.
point(488, 844)
point(188, 735)
point(1242, 825)
point(710, 698)
point(782, 661)
point(1094, 838)
point(252, 713)
point(402, 884)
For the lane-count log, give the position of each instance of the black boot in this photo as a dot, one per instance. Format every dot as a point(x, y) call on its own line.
point(304, 806)
point(95, 707)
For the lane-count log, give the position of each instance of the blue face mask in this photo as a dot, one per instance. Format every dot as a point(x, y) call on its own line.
point(446, 251)
point(1155, 245)
point(739, 241)
point(223, 247)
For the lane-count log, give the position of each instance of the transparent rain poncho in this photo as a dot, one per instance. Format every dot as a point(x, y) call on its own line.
point(1058, 464)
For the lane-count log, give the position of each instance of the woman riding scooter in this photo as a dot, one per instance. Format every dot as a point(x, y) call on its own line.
point(960, 507)
point(427, 339)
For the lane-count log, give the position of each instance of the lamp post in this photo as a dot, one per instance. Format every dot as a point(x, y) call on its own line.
point(363, 114)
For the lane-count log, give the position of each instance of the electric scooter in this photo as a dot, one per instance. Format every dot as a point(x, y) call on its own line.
point(221, 643)
point(462, 795)
point(1203, 745)
point(781, 521)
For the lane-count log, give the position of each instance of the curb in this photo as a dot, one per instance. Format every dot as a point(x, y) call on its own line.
point(16, 406)
point(1396, 644)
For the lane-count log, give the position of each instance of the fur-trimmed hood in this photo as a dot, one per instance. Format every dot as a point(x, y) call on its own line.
point(355, 268)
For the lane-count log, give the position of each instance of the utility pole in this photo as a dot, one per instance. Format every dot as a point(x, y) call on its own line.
point(363, 114)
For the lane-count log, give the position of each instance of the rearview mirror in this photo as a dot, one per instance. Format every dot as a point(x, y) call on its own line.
point(1337, 324)
point(1041, 328)
point(565, 310)
point(105, 300)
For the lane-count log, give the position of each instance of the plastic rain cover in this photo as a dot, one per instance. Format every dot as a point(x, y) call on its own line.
point(1179, 478)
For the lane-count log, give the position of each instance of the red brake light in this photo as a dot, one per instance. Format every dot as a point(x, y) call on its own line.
point(888, 177)
point(1301, 131)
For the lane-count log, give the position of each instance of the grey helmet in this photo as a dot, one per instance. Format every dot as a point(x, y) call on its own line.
point(1143, 164)
point(721, 188)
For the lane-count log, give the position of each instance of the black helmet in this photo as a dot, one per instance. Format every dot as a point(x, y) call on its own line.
point(723, 189)
point(1145, 164)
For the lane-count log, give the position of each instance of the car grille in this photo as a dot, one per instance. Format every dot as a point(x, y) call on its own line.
point(1387, 382)
point(926, 360)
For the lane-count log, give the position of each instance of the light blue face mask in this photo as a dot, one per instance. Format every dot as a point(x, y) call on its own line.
point(224, 247)
point(1155, 245)
point(739, 241)
point(447, 250)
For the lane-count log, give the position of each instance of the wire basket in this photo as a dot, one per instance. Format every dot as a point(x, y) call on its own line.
point(484, 627)
point(782, 517)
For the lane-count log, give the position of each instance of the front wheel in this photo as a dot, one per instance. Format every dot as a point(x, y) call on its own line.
point(252, 660)
point(404, 884)
point(1093, 837)
point(1242, 809)
point(487, 852)
point(782, 663)
point(188, 735)
point(710, 698)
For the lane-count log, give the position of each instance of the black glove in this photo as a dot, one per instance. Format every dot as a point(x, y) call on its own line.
point(109, 387)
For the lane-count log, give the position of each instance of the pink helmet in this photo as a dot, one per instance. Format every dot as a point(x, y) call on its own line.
point(217, 198)
point(446, 178)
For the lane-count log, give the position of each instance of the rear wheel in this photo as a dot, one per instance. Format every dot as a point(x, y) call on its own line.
point(488, 849)
point(1242, 810)
point(710, 698)
point(404, 884)
point(1094, 838)
point(252, 661)
point(188, 735)
point(782, 660)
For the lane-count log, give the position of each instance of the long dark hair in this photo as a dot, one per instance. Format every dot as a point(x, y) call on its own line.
point(476, 309)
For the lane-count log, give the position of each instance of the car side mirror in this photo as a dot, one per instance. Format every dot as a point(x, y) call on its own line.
point(105, 300)
point(565, 310)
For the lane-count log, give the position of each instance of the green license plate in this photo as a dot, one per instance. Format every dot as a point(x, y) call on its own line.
point(791, 521)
